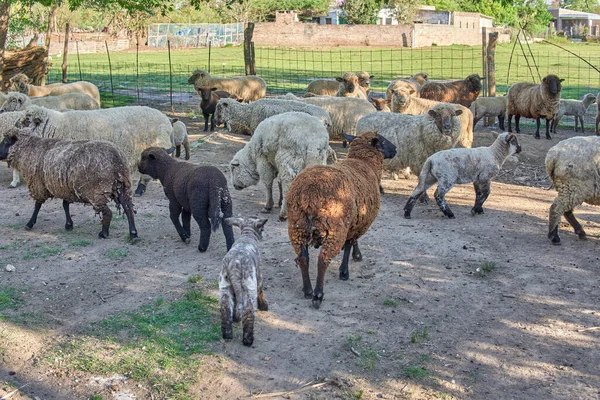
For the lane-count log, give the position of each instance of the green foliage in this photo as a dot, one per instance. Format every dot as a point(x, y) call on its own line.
point(361, 11)
point(419, 335)
point(415, 372)
point(9, 298)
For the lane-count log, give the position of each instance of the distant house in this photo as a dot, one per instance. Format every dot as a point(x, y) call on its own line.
point(333, 17)
point(429, 15)
point(574, 23)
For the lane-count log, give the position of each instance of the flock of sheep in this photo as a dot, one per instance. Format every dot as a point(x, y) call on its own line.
point(64, 146)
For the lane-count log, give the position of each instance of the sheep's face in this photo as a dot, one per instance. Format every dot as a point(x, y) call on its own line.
point(256, 224)
point(380, 103)
point(513, 144)
point(198, 78)
point(223, 111)
point(5, 145)
point(381, 144)
point(14, 102)
point(553, 83)
point(205, 92)
point(150, 163)
point(474, 82)
point(589, 98)
point(242, 174)
point(444, 118)
point(401, 96)
point(364, 80)
point(19, 83)
point(421, 78)
point(350, 82)
point(32, 120)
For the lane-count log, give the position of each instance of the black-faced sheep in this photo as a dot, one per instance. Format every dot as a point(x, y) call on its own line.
point(282, 146)
point(246, 88)
point(333, 206)
point(456, 166)
point(199, 191)
point(531, 100)
point(83, 171)
point(573, 166)
point(240, 282)
point(577, 108)
point(462, 92)
point(210, 97)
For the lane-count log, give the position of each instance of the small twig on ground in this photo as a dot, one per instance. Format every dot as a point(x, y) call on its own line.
point(356, 353)
point(100, 296)
point(301, 390)
point(593, 328)
point(11, 394)
point(510, 296)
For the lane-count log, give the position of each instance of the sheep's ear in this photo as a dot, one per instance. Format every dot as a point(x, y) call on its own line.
point(339, 79)
point(509, 137)
point(171, 150)
point(151, 156)
point(349, 138)
point(544, 79)
point(371, 76)
point(231, 221)
point(173, 120)
point(260, 223)
point(212, 89)
point(411, 91)
point(387, 101)
point(425, 76)
point(561, 80)
point(458, 112)
point(432, 113)
point(37, 120)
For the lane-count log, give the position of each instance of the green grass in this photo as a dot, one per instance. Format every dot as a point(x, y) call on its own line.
point(39, 251)
point(292, 69)
point(9, 298)
point(12, 246)
point(415, 372)
point(195, 278)
point(158, 345)
point(117, 254)
point(488, 267)
point(96, 397)
point(81, 243)
point(419, 335)
point(389, 302)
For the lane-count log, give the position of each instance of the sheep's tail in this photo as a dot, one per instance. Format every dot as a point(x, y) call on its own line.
point(214, 208)
point(186, 146)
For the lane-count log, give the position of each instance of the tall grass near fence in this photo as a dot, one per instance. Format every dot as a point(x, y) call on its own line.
point(290, 70)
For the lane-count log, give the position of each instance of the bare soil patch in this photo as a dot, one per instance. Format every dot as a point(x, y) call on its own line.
point(473, 308)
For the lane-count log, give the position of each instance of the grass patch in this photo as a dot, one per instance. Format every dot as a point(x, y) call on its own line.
point(415, 372)
point(118, 100)
point(419, 335)
point(389, 302)
point(12, 246)
point(9, 298)
point(156, 345)
point(96, 397)
point(195, 278)
point(367, 359)
point(486, 268)
point(117, 254)
point(39, 251)
point(15, 226)
point(149, 215)
point(81, 243)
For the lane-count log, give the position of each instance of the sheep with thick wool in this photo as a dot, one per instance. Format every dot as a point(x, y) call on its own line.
point(179, 138)
point(415, 82)
point(282, 146)
point(490, 107)
point(350, 87)
point(83, 171)
point(333, 206)
point(21, 83)
point(531, 100)
point(7, 123)
point(464, 91)
point(573, 166)
point(330, 87)
point(244, 118)
point(246, 88)
point(577, 108)
point(404, 102)
point(132, 129)
point(343, 111)
point(456, 166)
point(16, 101)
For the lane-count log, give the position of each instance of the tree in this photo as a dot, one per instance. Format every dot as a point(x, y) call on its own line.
point(361, 11)
point(404, 10)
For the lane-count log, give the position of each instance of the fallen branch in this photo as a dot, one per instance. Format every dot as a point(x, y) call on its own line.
point(11, 394)
point(593, 328)
point(301, 390)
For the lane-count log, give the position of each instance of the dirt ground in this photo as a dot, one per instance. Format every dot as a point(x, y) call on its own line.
point(472, 308)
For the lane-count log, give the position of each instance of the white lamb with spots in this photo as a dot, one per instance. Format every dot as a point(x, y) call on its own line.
point(240, 282)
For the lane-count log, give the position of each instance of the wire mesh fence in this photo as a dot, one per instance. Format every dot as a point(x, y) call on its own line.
point(291, 70)
point(194, 35)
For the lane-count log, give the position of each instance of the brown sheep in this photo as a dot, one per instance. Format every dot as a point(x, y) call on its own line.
point(381, 104)
point(210, 97)
point(531, 100)
point(332, 206)
point(462, 92)
point(350, 86)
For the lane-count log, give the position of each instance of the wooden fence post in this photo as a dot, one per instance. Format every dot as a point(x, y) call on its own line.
point(491, 72)
point(249, 60)
point(65, 53)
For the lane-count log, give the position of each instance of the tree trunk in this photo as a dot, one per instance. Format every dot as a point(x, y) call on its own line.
point(4, 18)
point(51, 16)
point(65, 53)
point(33, 41)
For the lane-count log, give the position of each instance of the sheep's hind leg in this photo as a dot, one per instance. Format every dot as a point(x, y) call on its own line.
point(344, 273)
point(537, 128)
point(226, 298)
point(547, 129)
point(302, 261)
point(174, 212)
point(581, 124)
point(322, 264)
point(356, 254)
point(482, 191)
point(570, 217)
point(420, 191)
point(128, 210)
point(554, 222)
point(248, 322)
point(69, 223)
point(205, 229)
point(440, 198)
point(33, 219)
point(106, 218)
point(261, 300)
point(517, 124)
point(500, 122)
point(186, 218)
point(268, 177)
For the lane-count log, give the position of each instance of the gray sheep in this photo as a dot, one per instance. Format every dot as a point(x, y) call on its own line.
point(577, 108)
point(240, 281)
point(457, 166)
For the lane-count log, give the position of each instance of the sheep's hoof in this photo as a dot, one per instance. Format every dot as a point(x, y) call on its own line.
point(263, 306)
point(407, 215)
point(11, 186)
point(133, 239)
point(228, 336)
point(266, 210)
point(101, 235)
point(582, 235)
point(317, 300)
point(548, 137)
point(28, 227)
point(344, 275)
point(185, 239)
point(282, 218)
point(476, 211)
point(537, 136)
point(202, 249)
point(68, 227)
point(247, 342)
point(308, 295)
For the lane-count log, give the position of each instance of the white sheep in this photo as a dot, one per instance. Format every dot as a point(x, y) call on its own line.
point(132, 129)
point(404, 102)
point(281, 147)
point(577, 108)
point(70, 101)
point(457, 166)
point(7, 123)
point(415, 82)
point(246, 88)
point(573, 166)
point(323, 87)
point(244, 118)
point(350, 86)
point(77, 87)
point(22, 84)
point(489, 107)
point(179, 137)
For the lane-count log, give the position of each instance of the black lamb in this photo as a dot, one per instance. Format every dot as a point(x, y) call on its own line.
point(200, 191)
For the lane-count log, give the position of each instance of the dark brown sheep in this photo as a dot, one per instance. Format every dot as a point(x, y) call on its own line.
point(332, 206)
point(462, 92)
point(200, 191)
point(210, 97)
point(81, 171)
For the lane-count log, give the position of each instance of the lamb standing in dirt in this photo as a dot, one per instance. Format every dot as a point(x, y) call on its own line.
point(456, 166)
point(200, 191)
point(573, 166)
point(240, 282)
point(577, 108)
point(531, 100)
point(179, 137)
point(281, 147)
point(83, 171)
point(246, 88)
point(462, 92)
point(489, 107)
point(16, 101)
point(333, 206)
point(210, 97)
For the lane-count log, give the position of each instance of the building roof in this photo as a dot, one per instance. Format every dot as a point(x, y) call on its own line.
point(573, 14)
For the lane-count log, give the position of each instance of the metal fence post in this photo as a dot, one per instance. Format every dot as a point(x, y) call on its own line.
point(112, 89)
point(170, 74)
